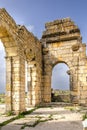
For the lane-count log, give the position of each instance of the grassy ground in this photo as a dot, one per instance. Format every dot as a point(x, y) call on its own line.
point(2, 98)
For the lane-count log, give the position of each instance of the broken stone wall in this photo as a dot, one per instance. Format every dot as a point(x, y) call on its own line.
point(62, 44)
point(20, 46)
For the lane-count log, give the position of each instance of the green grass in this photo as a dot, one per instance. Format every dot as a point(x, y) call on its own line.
point(2, 100)
point(20, 115)
point(37, 121)
point(71, 108)
point(84, 116)
point(9, 113)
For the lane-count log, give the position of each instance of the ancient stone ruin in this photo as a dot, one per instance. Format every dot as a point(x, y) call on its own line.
point(61, 42)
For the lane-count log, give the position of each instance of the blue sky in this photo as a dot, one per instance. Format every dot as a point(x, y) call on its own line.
point(60, 78)
point(35, 13)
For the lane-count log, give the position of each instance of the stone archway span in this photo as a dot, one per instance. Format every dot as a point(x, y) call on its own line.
point(66, 63)
point(60, 79)
point(62, 42)
point(20, 46)
point(14, 73)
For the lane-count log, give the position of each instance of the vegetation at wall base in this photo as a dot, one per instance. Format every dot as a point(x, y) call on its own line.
point(20, 115)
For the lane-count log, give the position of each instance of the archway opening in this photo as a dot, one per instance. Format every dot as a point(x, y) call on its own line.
point(2, 75)
point(60, 84)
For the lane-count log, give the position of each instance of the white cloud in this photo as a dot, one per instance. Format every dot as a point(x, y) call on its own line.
point(30, 28)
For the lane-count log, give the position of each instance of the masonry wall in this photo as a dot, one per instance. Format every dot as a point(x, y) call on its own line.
point(62, 44)
point(20, 46)
point(33, 57)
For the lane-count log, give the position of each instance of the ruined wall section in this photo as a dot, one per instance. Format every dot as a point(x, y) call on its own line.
point(8, 32)
point(62, 44)
point(33, 54)
point(9, 37)
point(82, 76)
point(20, 46)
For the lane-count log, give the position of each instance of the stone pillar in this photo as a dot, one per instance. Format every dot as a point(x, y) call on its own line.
point(32, 81)
point(9, 101)
point(34, 91)
point(74, 87)
point(15, 84)
point(47, 83)
point(47, 89)
point(29, 93)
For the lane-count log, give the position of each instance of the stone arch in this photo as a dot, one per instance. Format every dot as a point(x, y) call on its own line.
point(62, 42)
point(9, 38)
point(65, 70)
point(69, 72)
point(8, 41)
point(60, 81)
point(47, 81)
point(61, 61)
point(20, 46)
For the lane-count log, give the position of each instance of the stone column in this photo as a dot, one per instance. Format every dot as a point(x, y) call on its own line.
point(34, 82)
point(47, 89)
point(15, 86)
point(74, 87)
point(34, 93)
point(47, 83)
point(29, 93)
point(9, 101)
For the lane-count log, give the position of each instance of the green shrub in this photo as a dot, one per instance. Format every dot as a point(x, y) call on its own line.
point(84, 116)
point(9, 113)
